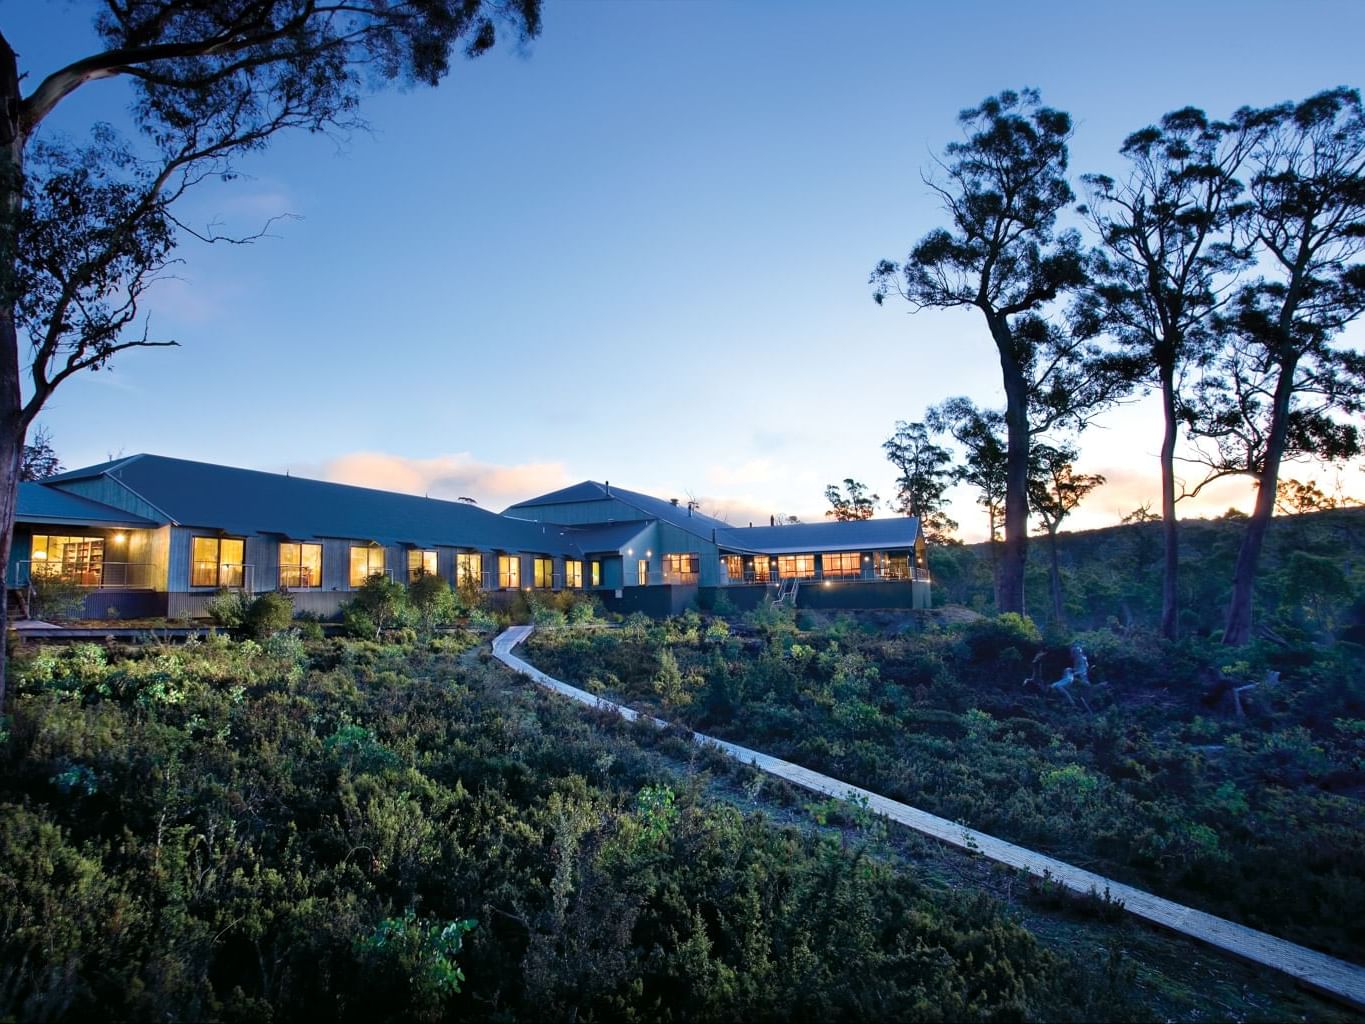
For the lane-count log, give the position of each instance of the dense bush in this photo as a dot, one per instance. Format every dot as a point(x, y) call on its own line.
point(1154, 779)
point(355, 831)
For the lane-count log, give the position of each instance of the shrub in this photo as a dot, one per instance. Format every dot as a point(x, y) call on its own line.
point(432, 601)
point(267, 615)
point(56, 598)
point(228, 608)
point(379, 604)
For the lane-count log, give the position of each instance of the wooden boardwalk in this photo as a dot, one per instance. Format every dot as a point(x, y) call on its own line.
point(1318, 971)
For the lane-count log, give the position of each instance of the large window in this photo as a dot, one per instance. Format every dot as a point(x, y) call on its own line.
point(596, 574)
point(762, 569)
point(469, 569)
point(734, 567)
point(642, 571)
point(681, 568)
point(573, 574)
point(217, 561)
point(544, 570)
point(509, 571)
point(366, 562)
point(893, 565)
point(79, 560)
point(801, 567)
point(421, 563)
point(842, 565)
point(300, 565)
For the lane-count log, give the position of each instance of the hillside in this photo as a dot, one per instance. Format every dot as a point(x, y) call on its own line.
point(1312, 578)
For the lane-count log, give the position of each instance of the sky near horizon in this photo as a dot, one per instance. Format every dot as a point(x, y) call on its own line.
point(638, 251)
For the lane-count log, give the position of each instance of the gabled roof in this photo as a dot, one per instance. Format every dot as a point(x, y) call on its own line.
point(201, 494)
point(853, 535)
point(39, 503)
point(693, 522)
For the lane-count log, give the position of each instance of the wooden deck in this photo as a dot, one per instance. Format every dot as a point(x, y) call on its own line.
point(1328, 975)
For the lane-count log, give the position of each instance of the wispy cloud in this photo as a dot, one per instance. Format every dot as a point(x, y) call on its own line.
point(458, 475)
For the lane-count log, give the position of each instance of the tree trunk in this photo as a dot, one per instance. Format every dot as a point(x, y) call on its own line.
point(1055, 576)
point(1016, 484)
point(1238, 629)
point(11, 399)
point(1170, 598)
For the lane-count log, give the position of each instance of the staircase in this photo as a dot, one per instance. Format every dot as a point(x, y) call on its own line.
point(786, 592)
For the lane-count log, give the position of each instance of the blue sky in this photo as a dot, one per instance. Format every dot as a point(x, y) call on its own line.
point(639, 250)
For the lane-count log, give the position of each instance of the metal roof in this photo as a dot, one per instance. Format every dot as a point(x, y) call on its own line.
point(693, 522)
point(39, 503)
point(852, 535)
point(201, 494)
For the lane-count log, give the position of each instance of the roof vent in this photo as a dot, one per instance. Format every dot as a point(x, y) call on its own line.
point(675, 505)
point(607, 487)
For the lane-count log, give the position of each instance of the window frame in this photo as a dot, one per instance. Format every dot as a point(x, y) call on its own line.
point(542, 572)
point(424, 555)
point(219, 583)
point(509, 572)
point(573, 574)
point(462, 575)
point(299, 565)
point(371, 572)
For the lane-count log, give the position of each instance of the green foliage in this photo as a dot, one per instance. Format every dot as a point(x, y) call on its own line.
point(53, 597)
point(433, 602)
point(379, 604)
point(407, 953)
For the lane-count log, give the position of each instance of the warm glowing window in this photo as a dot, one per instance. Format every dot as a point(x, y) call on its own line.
point(642, 571)
point(596, 574)
point(544, 570)
point(734, 567)
point(893, 565)
point(366, 562)
point(762, 569)
point(77, 559)
point(681, 567)
point(573, 574)
point(842, 564)
point(421, 563)
point(469, 569)
point(800, 567)
point(300, 565)
point(217, 561)
point(509, 570)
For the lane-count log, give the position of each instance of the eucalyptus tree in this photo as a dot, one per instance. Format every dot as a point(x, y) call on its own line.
point(1055, 491)
point(925, 470)
point(854, 502)
point(88, 225)
point(1169, 254)
point(1002, 188)
point(1287, 388)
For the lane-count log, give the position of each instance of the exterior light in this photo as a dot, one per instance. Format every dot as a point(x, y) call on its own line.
point(649, 554)
point(630, 551)
point(119, 538)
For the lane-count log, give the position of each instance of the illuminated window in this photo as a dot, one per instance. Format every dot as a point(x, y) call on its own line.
point(509, 571)
point(596, 574)
point(573, 574)
point(734, 567)
point(893, 565)
point(762, 569)
point(217, 561)
point(842, 565)
point(642, 571)
point(681, 568)
point(544, 569)
point(421, 563)
point(366, 562)
point(800, 567)
point(78, 560)
point(469, 569)
point(300, 565)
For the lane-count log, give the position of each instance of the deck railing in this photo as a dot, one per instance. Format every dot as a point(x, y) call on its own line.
point(91, 575)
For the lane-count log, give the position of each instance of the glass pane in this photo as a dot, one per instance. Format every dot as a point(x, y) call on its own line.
point(360, 566)
point(204, 562)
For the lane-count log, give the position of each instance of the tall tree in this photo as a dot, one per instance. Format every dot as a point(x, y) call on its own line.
point(40, 459)
point(1168, 256)
point(87, 226)
point(1281, 390)
point(925, 470)
point(1002, 188)
point(984, 462)
point(1055, 490)
point(853, 503)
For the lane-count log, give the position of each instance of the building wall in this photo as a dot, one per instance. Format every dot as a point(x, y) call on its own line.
point(108, 491)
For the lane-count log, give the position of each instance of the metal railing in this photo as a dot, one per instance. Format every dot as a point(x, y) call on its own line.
point(91, 575)
point(223, 575)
